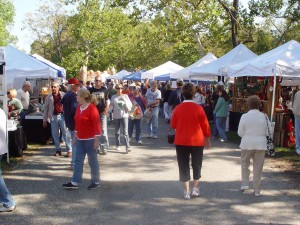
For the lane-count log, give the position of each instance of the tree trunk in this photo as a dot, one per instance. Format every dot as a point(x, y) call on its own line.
point(233, 14)
point(200, 46)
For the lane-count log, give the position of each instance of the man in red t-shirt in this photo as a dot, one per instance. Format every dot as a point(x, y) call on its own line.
point(53, 111)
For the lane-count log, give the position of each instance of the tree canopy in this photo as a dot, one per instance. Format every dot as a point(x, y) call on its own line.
point(6, 19)
point(145, 33)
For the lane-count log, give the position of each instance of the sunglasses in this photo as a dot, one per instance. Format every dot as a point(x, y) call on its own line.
point(54, 87)
point(118, 88)
point(8, 93)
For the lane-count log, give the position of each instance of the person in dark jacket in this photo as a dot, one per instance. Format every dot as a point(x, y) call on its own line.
point(167, 110)
point(176, 96)
point(70, 103)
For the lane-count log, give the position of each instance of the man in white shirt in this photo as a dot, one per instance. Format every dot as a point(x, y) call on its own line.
point(153, 97)
point(23, 95)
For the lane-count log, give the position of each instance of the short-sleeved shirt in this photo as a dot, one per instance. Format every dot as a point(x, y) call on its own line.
point(152, 96)
point(24, 98)
point(102, 97)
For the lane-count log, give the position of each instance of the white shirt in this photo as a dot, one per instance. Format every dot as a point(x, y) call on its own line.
point(24, 98)
point(296, 104)
point(3, 121)
point(253, 130)
point(199, 99)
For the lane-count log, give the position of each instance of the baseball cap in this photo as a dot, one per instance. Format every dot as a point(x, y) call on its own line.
point(73, 81)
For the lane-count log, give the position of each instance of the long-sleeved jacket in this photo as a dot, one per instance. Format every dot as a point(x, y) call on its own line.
point(49, 106)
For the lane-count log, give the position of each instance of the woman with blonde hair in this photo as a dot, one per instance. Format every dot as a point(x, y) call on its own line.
point(15, 105)
point(87, 139)
point(253, 128)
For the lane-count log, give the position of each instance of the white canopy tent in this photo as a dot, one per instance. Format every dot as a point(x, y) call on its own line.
point(219, 67)
point(61, 72)
point(186, 72)
point(166, 68)
point(20, 66)
point(120, 75)
point(281, 61)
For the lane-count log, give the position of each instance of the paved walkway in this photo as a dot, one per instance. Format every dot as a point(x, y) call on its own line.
point(142, 188)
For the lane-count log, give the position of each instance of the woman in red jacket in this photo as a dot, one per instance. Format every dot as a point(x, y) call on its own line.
point(192, 134)
point(87, 139)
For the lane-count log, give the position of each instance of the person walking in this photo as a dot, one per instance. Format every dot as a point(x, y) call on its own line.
point(296, 111)
point(120, 106)
point(176, 96)
point(139, 106)
point(53, 110)
point(153, 97)
point(167, 108)
point(87, 140)
point(7, 203)
point(221, 111)
point(192, 134)
point(253, 129)
point(102, 96)
point(69, 102)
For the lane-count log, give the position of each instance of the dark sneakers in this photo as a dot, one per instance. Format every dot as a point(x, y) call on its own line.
point(70, 186)
point(57, 153)
point(93, 186)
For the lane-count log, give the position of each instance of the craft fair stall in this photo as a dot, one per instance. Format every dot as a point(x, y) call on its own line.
point(274, 77)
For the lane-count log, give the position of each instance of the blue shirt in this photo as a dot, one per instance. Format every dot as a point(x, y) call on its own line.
point(70, 103)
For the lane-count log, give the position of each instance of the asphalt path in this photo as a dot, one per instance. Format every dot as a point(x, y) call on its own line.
point(142, 187)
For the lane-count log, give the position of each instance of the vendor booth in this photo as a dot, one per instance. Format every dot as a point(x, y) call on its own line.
point(270, 77)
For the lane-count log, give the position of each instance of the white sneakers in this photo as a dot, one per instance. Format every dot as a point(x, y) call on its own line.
point(244, 188)
point(194, 193)
point(7, 209)
point(186, 195)
point(118, 148)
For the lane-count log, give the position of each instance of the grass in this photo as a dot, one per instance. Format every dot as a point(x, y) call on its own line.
point(288, 154)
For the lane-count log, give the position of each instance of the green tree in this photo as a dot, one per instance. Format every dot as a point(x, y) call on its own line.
point(7, 13)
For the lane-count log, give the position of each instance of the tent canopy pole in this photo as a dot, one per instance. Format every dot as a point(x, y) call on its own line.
point(274, 96)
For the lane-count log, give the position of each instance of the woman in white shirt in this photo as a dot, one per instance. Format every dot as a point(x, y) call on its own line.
point(253, 129)
point(199, 97)
point(120, 106)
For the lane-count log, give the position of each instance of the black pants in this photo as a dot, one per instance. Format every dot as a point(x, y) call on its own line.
point(183, 158)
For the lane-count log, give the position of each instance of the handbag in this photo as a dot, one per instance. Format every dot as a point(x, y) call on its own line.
point(270, 143)
point(171, 136)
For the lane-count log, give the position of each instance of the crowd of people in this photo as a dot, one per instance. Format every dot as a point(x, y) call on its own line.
point(80, 113)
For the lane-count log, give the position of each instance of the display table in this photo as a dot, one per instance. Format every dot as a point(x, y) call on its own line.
point(16, 142)
point(34, 130)
point(234, 120)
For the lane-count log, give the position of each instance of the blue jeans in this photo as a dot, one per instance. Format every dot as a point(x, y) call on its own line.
point(137, 124)
point(297, 132)
point(72, 136)
point(84, 147)
point(5, 197)
point(58, 121)
point(215, 130)
point(124, 123)
point(104, 138)
point(152, 125)
point(221, 126)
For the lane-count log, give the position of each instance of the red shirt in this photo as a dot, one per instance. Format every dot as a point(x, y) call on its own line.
point(58, 107)
point(87, 122)
point(191, 124)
